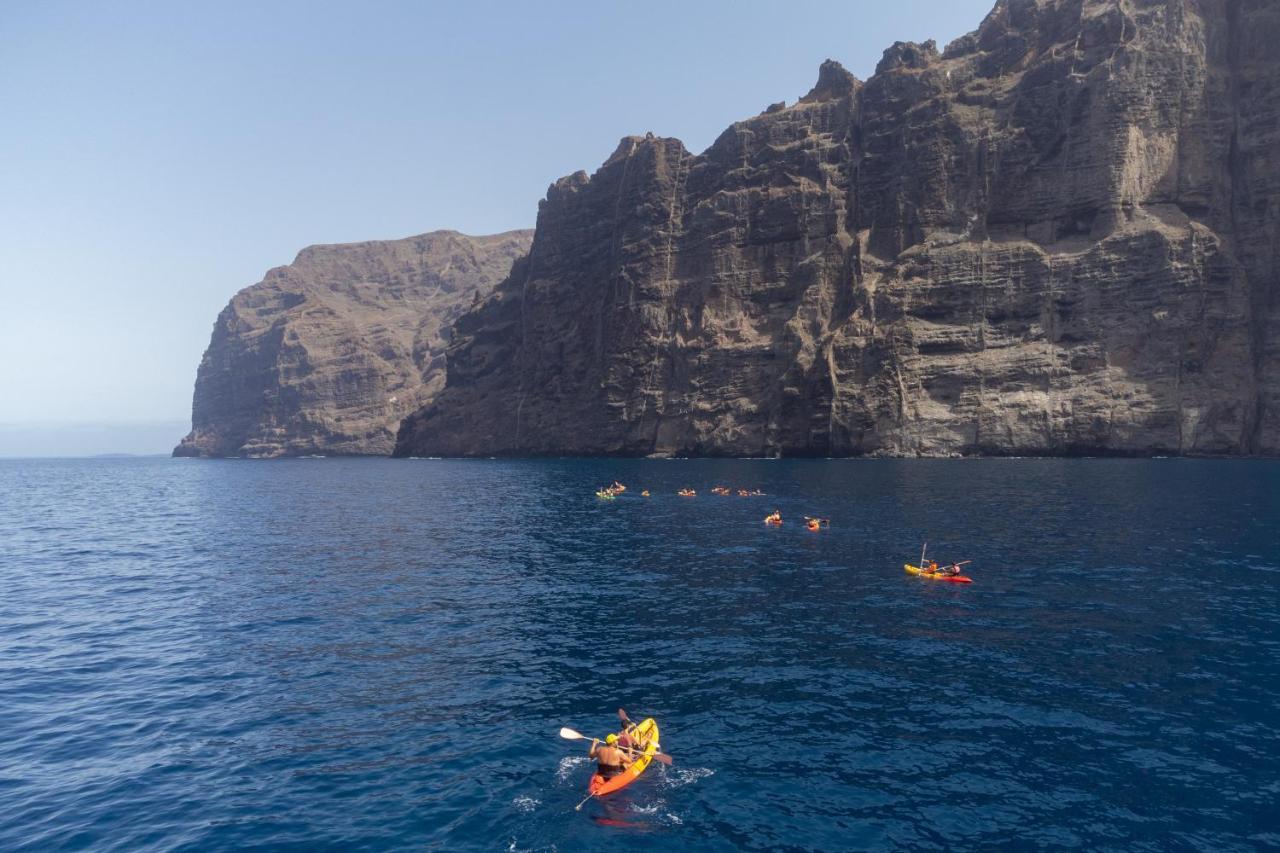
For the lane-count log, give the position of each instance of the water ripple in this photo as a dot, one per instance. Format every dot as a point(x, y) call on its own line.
point(377, 655)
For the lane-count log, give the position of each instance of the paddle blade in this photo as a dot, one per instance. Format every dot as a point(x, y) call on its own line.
point(663, 757)
point(622, 715)
point(570, 734)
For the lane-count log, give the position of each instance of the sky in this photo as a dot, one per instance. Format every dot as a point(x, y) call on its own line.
point(157, 157)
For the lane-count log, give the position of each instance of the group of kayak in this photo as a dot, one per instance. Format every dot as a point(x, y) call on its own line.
point(930, 569)
point(723, 491)
point(612, 491)
point(774, 519)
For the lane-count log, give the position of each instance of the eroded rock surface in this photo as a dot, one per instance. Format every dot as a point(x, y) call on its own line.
point(328, 354)
point(1059, 235)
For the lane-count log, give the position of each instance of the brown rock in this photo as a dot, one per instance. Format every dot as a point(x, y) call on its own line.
point(326, 355)
point(1058, 236)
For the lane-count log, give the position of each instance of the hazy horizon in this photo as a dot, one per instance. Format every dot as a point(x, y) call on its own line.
point(163, 158)
point(69, 439)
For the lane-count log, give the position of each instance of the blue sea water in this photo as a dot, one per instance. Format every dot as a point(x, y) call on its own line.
point(377, 654)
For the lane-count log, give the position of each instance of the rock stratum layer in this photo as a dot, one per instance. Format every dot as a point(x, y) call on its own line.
point(328, 354)
point(1057, 236)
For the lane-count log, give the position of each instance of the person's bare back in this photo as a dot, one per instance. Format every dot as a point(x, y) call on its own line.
point(610, 760)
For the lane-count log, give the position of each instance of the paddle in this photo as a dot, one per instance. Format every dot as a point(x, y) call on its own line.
point(570, 734)
point(661, 756)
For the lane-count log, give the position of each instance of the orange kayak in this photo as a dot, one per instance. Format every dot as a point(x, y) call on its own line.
point(646, 737)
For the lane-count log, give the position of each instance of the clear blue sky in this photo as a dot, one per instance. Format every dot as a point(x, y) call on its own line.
point(157, 157)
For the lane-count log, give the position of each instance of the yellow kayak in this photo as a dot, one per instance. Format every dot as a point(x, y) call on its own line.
point(646, 736)
point(919, 572)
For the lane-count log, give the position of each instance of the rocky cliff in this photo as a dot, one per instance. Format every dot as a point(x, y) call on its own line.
point(1059, 235)
point(328, 354)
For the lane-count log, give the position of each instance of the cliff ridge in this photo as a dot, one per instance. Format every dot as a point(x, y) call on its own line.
point(1058, 235)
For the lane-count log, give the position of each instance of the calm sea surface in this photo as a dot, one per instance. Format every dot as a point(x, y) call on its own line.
point(377, 654)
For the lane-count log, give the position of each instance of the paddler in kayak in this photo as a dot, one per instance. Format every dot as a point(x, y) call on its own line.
point(610, 760)
point(774, 518)
point(949, 571)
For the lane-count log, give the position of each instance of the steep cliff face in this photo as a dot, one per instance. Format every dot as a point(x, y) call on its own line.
point(328, 354)
point(1058, 236)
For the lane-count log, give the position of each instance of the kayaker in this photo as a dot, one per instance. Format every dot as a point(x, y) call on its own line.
point(950, 571)
point(610, 760)
point(774, 517)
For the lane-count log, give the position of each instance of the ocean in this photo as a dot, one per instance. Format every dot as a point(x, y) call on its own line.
point(372, 654)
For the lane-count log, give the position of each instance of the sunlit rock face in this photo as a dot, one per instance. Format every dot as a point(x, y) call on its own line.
point(328, 354)
point(1057, 236)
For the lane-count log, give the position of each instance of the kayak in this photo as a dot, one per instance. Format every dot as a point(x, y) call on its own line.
point(919, 572)
point(606, 495)
point(646, 735)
